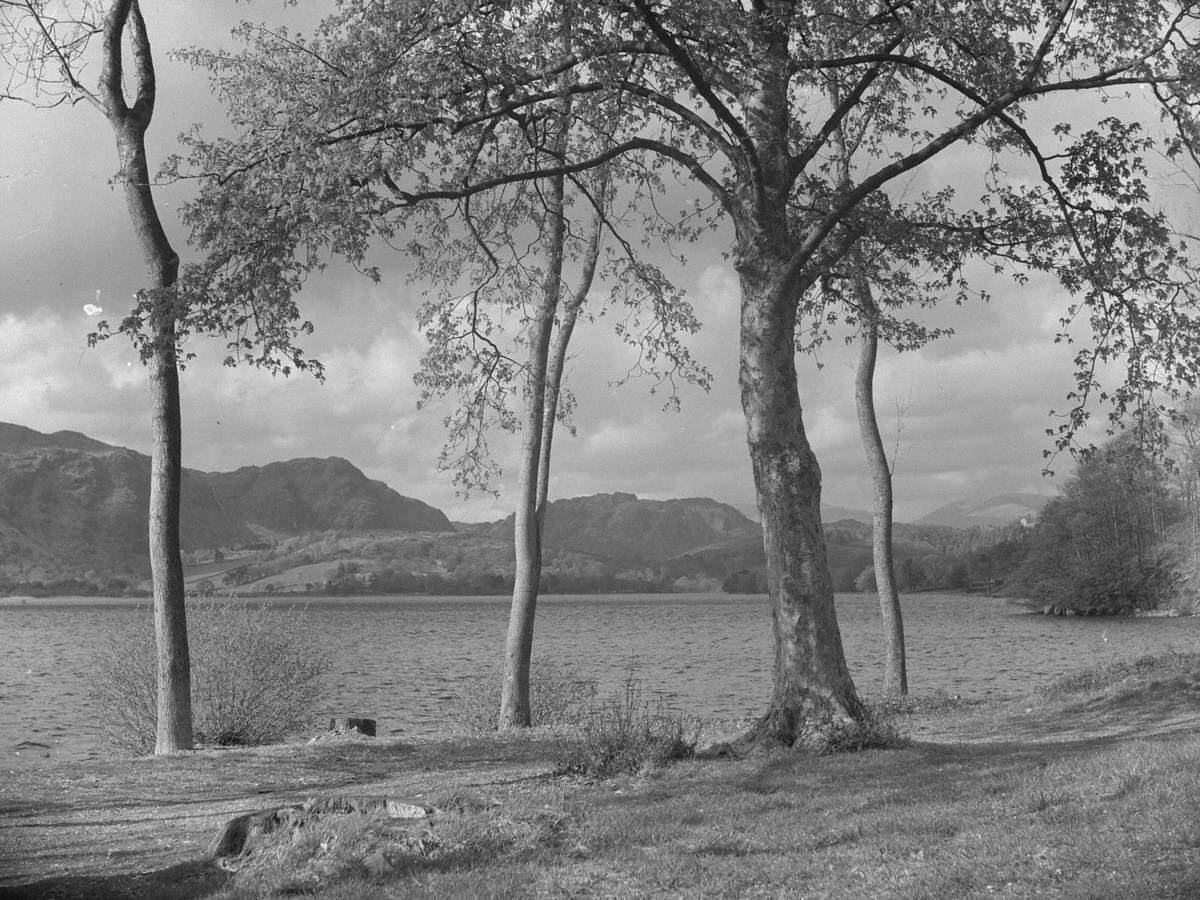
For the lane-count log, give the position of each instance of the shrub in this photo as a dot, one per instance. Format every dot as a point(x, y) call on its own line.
point(256, 677)
point(558, 695)
point(623, 734)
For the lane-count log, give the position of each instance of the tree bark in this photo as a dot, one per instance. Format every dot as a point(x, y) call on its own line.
point(534, 478)
point(811, 685)
point(515, 709)
point(129, 124)
point(895, 669)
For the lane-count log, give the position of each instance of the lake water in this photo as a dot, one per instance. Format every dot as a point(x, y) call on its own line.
point(404, 660)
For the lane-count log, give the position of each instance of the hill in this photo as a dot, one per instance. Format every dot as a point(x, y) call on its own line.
point(622, 527)
point(1003, 509)
point(74, 507)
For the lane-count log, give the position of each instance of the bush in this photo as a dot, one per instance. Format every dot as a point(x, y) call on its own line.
point(624, 735)
point(558, 695)
point(256, 677)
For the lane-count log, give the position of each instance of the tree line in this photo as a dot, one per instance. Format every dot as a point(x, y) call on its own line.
point(519, 154)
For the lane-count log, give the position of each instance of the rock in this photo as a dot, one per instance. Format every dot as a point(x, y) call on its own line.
point(376, 864)
point(402, 809)
point(345, 725)
point(240, 833)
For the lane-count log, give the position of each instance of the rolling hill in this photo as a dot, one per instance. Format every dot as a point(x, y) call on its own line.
point(71, 505)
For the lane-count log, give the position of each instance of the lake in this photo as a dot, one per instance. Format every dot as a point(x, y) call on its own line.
point(404, 660)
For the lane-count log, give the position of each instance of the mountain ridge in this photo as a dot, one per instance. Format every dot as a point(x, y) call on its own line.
point(71, 505)
point(74, 506)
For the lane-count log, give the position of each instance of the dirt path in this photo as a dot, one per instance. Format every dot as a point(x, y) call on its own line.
point(129, 829)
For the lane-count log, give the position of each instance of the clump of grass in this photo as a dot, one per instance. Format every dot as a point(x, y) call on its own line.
point(558, 695)
point(257, 676)
point(1099, 678)
point(874, 730)
point(624, 734)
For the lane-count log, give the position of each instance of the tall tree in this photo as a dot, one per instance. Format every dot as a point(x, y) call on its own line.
point(733, 97)
point(245, 296)
point(47, 43)
point(523, 257)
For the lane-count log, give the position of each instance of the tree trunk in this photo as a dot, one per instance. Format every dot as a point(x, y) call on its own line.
point(895, 670)
point(812, 687)
point(129, 124)
point(534, 478)
point(174, 726)
point(527, 532)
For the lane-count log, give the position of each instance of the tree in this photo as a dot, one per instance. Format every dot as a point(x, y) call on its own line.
point(512, 248)
point(44, 46)
point(1101, 544)
point(733, 97)
point(49, 50)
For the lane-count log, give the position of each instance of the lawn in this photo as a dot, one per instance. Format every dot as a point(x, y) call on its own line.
point(1086, 789)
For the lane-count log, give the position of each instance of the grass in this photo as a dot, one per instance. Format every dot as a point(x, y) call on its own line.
point(1020, 802)
point(924, 822)
point(1125, 674)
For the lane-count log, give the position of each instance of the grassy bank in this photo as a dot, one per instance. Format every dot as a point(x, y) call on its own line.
point(1085, 789)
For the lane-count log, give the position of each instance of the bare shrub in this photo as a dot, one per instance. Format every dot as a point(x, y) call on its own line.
point(624, 734)
point(256, 676)
point(558, 695)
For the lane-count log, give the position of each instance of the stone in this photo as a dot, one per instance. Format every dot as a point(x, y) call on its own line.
point(240, 833)
point(403, 809)
point(376, 864)
point(346, 725)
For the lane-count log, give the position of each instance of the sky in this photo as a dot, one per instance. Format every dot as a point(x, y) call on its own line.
point(974, 407)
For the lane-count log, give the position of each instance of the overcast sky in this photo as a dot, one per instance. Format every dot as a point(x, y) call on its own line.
point(976, 404)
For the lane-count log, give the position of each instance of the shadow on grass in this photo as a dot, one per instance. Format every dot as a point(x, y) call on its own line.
point(183, 881)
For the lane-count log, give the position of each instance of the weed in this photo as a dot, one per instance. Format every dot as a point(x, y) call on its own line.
point(623, 734)
point(872, 731)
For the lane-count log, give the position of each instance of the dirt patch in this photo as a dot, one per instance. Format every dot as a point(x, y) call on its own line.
point(126, 829)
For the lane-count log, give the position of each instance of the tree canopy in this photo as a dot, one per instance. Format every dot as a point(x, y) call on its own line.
point(392, 109)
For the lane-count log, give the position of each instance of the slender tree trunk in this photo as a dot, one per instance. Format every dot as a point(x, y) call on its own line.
point(558, 351)
point(895, 671)
point(534, 478)
point(174, 724)
point(811, 684)
point(129, 124)
point(527, 533)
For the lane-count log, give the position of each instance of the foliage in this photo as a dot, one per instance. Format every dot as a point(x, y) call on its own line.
point(256, 676)
point(394, 107)
point(559, 695)
point(1101, 543)
point(624, 734)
